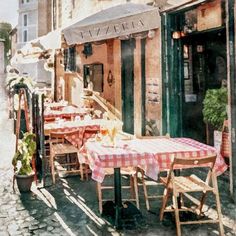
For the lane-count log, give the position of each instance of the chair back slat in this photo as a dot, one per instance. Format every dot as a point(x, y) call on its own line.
point(195, 162)
point(59, 137)
point(153, 137)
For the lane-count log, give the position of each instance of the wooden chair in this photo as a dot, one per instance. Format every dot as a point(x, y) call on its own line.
point(182, 185)
point(59, 149)
point(49, 119)
point(145, 181)
point(133, 186)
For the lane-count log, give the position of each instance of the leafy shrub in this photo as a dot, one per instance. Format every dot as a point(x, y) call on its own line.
point(214, 107)
point(24, 154)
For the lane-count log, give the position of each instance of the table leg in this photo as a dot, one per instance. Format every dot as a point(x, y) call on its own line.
point(118, 197)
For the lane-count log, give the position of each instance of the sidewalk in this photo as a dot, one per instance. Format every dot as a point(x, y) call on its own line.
point(70, 207)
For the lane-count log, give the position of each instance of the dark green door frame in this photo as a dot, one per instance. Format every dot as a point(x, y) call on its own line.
point(127, 78)
point(172, 85)
point(143, 86)
point(230, 23)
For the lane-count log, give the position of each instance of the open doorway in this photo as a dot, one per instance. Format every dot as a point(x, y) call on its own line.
point(194, 60)
point(204, 67)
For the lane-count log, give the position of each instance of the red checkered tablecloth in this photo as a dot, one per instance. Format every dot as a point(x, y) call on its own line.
point(82, 136)
point(101, 156)
point(78, 138)
point(140, 152)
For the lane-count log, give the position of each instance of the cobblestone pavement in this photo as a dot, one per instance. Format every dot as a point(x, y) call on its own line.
point(70, 207)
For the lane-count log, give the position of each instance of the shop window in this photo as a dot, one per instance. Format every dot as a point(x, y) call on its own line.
point(70, 59)
point(93, 77)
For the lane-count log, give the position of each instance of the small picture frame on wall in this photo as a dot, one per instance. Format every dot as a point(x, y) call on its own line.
point(186, 70)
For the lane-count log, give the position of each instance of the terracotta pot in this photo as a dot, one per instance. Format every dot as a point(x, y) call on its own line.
point(225, 145)
point(24, 182)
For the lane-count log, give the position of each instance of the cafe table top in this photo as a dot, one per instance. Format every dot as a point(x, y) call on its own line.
point(153, 155)
point(55, 105)
point(60, 114)
point(67, 125)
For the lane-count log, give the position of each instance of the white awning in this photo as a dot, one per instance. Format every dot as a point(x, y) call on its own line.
point(31, 51)
point(113, 22)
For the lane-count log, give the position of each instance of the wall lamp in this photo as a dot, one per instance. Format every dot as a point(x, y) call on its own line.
point(178, 34)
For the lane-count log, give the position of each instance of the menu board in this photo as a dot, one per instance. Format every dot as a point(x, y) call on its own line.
point(152, 91)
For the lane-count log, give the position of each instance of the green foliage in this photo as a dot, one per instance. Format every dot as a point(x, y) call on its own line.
point(214, 107)
point(5, 29)
point(15, 81)
point(24, 154)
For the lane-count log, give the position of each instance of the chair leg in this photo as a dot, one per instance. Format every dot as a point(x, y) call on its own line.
point(81, 171)
point(99, 192)
point(176, 210)
point(136, 189)
point(145, 191)
point(218, 207)
point(86, 171)
point(52, 168)
point(164, 202)
point(132, 190)
point(202, 202)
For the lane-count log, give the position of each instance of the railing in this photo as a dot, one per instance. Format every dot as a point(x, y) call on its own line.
point(113, 113)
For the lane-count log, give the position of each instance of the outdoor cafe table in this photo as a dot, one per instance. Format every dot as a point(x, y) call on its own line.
point(143, 153)
point(82, 125)
point(60, 114)
point(56, 105)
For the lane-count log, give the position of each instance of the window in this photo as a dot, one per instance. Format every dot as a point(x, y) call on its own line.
point(25, 20)
point(25, 36)
point(70, 59)
point(93, 76)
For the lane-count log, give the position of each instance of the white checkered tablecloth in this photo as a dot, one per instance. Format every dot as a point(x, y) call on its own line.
point(152, 154)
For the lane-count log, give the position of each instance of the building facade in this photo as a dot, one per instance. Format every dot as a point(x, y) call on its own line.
point(107, 58)
point(34, 21)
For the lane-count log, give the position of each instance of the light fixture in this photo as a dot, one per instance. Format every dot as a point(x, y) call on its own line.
point(88, 51)
point(110, 78)
point(176, 35)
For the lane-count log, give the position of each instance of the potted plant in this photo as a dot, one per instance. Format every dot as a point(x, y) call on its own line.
point(16, 82)
point(215, 112)
point(21, 162)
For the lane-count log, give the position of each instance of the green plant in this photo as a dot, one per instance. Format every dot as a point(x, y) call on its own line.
point(24, 154)
point(15, 81)
point(214, 107)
